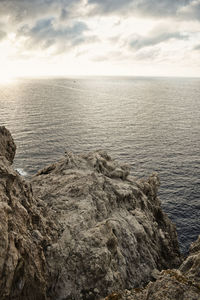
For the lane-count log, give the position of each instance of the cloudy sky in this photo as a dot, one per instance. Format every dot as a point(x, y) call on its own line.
point(101, 37)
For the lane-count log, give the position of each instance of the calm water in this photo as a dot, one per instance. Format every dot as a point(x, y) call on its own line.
point(152, 123)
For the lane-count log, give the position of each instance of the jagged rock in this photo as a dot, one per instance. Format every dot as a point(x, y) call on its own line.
point(182, 283)
point(7, 145)
point(171, 285)
point(191, 265)
point(89, 229)
point(24, 233)
point(112, 230)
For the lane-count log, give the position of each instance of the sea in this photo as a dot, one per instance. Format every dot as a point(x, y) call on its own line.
point(151, 123)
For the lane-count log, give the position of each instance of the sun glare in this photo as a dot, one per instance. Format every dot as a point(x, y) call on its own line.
point(6, 79)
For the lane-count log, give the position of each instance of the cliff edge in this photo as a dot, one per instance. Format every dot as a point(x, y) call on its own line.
point(7, 144)
point(83, 228)
point(174, 284)
point(24, 232)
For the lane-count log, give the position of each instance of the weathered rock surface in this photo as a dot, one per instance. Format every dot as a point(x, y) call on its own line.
point(7, 145)
point(24, 233)
point(88, 229)
point(113, 232)
point(191, 265)
point(182, 283)
point(170, 285)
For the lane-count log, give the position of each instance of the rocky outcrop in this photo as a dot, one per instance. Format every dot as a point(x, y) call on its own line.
point(7, 145)
point(182, 283)
point(83, 229)
point(113, 233)
point(170, 285)
point(24, 233)
point(191, 265)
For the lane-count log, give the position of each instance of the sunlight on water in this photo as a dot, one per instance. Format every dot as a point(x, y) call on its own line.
point(6, 79)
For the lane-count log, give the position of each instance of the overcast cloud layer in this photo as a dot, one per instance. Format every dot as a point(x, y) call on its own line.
point(118, 37)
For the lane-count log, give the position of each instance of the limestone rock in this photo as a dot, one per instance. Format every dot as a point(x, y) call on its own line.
point(7, 145)
point(191, 265)
point(112, 230)
point(182, 283)
point(87, 229)
point(171, 285)
point(24, 233)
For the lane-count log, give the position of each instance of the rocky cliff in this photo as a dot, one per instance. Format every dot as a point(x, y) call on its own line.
point(113, 232)
point(84, 229)
point(24, 232)
point(7, 145)
point(175, 284)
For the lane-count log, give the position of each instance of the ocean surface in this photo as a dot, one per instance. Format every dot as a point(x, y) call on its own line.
point(151, 123)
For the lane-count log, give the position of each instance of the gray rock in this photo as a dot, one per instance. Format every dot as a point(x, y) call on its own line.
point(171, 285)
point(7, 145)
point(88, 229)
point(24, 233)
point(191, 265)
point(112, 230)
point(182, 283)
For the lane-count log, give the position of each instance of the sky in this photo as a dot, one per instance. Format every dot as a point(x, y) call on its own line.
point(99, 37)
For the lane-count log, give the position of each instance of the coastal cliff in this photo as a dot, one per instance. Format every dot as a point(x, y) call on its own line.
point(182, 283)
point(24, 232)
point(83, 228)
point(113, 233)
point(7, 145)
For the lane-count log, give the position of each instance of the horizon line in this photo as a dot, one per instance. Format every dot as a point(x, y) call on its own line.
point(98, 75)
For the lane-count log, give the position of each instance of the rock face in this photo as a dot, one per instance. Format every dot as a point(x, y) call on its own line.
point(182, 283)
point(191, 265)
point(24, 232)
point(170, 285)
point(112, 231)
point(84, 228)
point(7, 145)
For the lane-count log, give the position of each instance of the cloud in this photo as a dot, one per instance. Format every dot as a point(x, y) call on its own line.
point(109, 6)
point(160, 8)
point(22, 10)
point(111, 55)
point(42, 24)
point(148, 54)
point(141, 42)
point(191, 9)
point(47, 32)
point(197, 47)
point(178, 9)
point(17, 13)
point(2, 35)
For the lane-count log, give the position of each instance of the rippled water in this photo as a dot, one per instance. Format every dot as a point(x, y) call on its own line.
point(152, 123)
